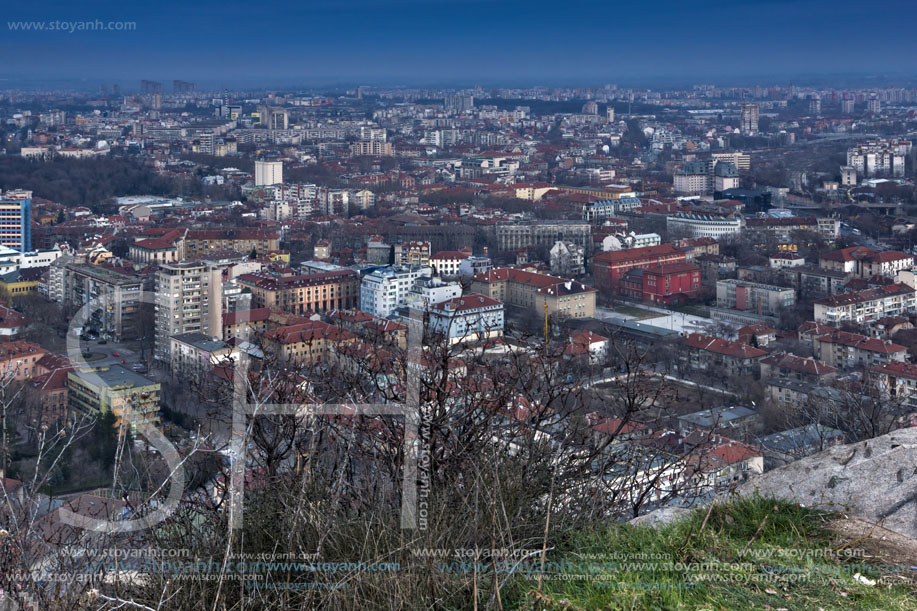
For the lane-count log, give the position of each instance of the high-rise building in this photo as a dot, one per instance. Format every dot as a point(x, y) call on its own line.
point(847, 106)
point(873, 105)
point(749, 118)
point(459, 103)
point(15, 220)
point(188, 299)
point(150, 87)
point(610, 113)
point(268, 173)
point(815, 105)
point(156, 102)
point(274, 118)
point(590, 108)
point(182, 87)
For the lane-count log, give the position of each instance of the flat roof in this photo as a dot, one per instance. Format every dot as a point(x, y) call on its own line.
point(113, 375)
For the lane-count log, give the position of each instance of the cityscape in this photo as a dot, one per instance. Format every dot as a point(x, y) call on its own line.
point(597, 338)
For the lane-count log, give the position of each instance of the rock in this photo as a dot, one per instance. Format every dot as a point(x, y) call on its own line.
point(872, 479)
point(658, 517)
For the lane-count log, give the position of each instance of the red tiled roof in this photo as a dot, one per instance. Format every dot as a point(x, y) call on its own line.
point(722, 346)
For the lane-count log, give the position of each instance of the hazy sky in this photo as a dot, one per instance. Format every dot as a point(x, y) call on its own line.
point(516, 41)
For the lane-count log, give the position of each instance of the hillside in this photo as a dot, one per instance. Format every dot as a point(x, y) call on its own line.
point(750, 553)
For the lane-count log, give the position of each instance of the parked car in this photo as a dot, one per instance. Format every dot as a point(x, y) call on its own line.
point(102, 342)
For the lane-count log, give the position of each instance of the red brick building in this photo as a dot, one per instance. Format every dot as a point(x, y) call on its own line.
point(668, 283)
point(609, 267)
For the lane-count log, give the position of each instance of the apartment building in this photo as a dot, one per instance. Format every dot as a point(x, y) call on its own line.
point(113, 298)
point(385, 290)
point(699, 352)
point(865, 262)
point(201, 242)
point(851, 350)
point(412, 253)
point(305, 343)
point(537, 293)
point(465, 319)
point(303, 293)
point(897, 381)
point(194, 355)
point(867, 305)
point(188, 299)
point(116, 389)
point(448, 263)
point(761, 299)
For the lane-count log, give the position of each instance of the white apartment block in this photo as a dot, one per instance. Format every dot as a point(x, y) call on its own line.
point(386, 289)
point(879, 157)
point(868, 305)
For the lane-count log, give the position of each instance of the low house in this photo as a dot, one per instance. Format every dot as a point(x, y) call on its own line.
point(791, 445)
point(797, 368)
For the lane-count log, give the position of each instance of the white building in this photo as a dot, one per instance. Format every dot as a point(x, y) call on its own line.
point(702, 226)
point(473, 265)
point(567, 259)
point(385, 289)
point(268, 173)
point(473, 317)
point(428, 291)
point(879, 157)
point(447, 263)
point(188, 299)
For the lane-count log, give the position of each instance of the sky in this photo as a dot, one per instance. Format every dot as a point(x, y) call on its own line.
point(462, 42)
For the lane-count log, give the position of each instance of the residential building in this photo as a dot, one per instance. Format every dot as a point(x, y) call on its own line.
point(867, 305)
point(447, 263)
point(725, 176)
point(194, 355)
point(16, 220)
point(880, 157)
point(474, 265)
point(116, 389)
point(851, 350)
point(465, 319)
point(789, 446)
point(537, 293)
point(762, 299)
point(412, 253)
point(750, 118)
point(268, 173)
point(692, 179)
point(113, 299)
point(790, 366)
point(567, 259)
point(303, 293)
point(305, 343)
point(430, 290)
point(188, 299)
point(718, 356)
point(203, 242)
point(19, 360)
point(384, 290)
point(897, 381)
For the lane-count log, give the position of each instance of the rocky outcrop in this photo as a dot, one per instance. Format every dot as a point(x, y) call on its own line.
point(658, 517)
point(875, 480)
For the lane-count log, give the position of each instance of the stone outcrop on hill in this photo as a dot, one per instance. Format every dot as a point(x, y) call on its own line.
point(874, 479)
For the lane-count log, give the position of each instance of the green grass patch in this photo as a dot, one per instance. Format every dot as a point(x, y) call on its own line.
point(751, 554)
